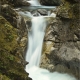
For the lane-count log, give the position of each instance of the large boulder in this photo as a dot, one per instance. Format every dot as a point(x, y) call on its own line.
point(67, 58)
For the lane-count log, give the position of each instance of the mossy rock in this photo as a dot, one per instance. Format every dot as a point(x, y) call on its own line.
point(11, 66)
point(3, 1)
point(8, 35)
point(69, 10)
point(4, 77)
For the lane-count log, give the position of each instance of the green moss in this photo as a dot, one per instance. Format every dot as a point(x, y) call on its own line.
point(74, 11)
point(71, 11)
point(10, 65)
point(8, 35)
point(11, 57)
point(75, 15)
point(4, 77)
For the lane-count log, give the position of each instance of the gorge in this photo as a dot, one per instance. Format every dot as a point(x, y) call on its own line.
point(42, 35)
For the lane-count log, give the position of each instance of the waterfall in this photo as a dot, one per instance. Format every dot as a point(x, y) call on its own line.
point(36, 34)
point(35, 38)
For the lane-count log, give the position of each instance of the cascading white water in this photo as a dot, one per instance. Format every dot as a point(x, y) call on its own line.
point(35, 38)
point(34, 2)
point(42, 74)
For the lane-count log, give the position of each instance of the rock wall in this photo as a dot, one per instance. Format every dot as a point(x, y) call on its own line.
point(13, 43)
point(61, 48)
point(15, 3)
point(50, 3)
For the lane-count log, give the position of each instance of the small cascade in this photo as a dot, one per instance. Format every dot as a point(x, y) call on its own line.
point(35, 38)
point(34, 2)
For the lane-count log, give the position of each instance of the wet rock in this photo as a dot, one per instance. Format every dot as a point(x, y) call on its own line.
point(50, 3)
point(29, 24)
point(39, 12)
point(8, 12)
point(64, 34)
point(48, 46)
point(67, 56)
point(77, 33)
point(35, 13)
point(17, 3)
point(45, 63)
point(43, 11)
point(22, 38)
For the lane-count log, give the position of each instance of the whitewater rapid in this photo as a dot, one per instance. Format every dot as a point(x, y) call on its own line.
point(37, 73)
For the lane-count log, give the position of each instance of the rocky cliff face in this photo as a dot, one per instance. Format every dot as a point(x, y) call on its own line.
point(62, 40)
point(13, 42)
